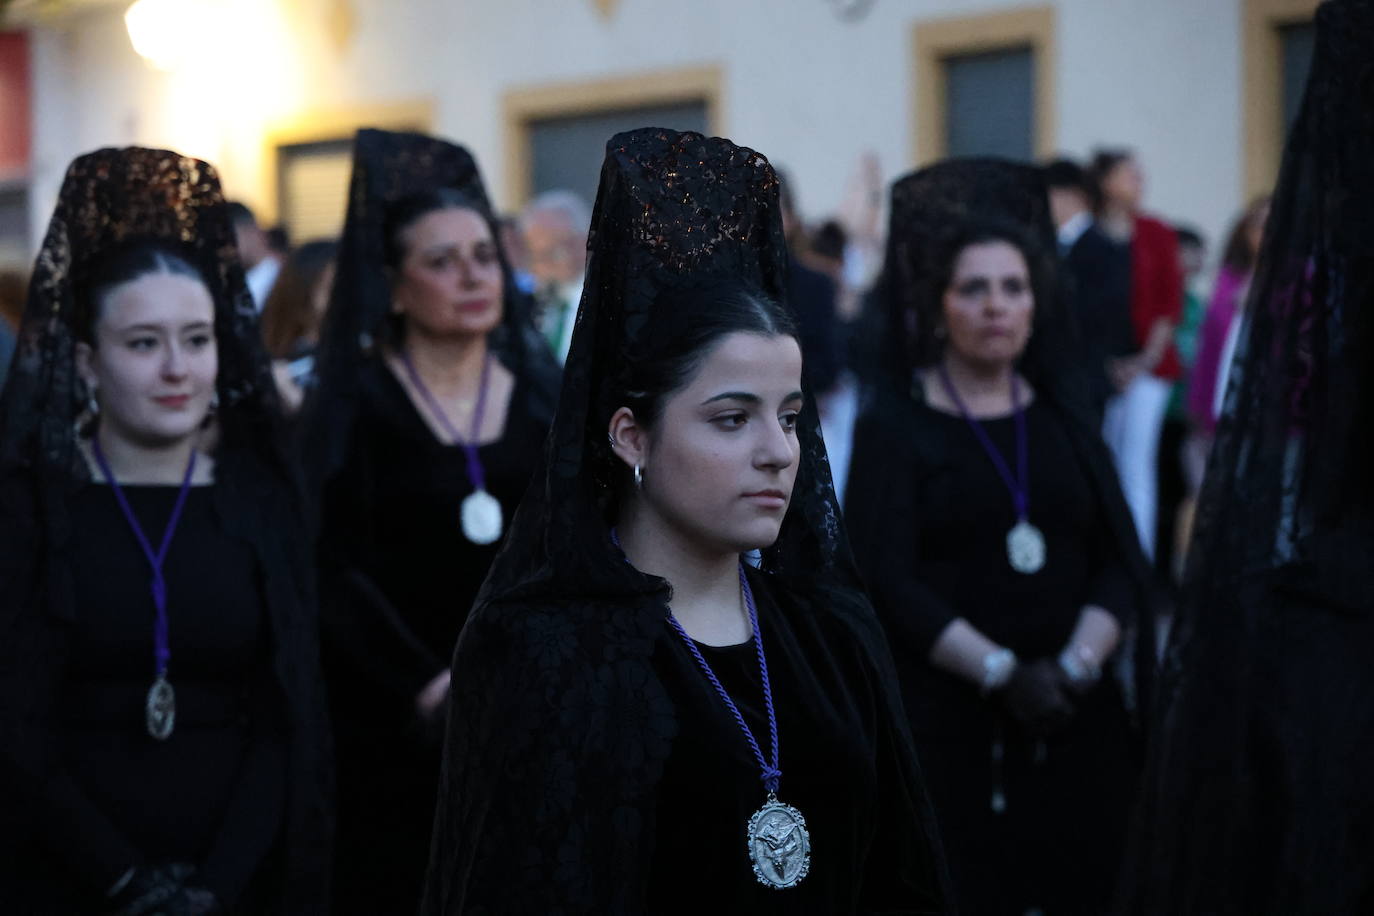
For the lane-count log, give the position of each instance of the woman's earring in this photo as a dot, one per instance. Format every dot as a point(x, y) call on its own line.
point(639, 477)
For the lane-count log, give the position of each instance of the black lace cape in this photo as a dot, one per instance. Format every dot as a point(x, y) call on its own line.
point(559, 726)
point(109, 196)
point(1258, 799)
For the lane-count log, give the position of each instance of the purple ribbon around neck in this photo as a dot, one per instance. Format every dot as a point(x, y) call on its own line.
point(771, 772)
point(162, 651)
point(1020, 484)
point(477, 475)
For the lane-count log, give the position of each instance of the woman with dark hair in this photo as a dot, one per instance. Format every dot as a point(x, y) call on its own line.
point(162, 729)
point(990, 527)
point(1145, 366)
point(645, 719)
point(292, 315)
point(434, 396)
point(1257, 796)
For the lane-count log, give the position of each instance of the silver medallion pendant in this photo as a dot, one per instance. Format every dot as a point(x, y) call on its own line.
point(481, 517)
point(779, 845)
point(1026, 548)
point(160, 709)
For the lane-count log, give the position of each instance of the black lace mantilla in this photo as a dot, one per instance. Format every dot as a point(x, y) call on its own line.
point(559, 726)
point(1267, 692)
point(389, 167)
point(108, 197)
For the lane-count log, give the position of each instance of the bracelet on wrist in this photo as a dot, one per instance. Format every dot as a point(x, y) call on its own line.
point(1080, 664)
point(998, 666)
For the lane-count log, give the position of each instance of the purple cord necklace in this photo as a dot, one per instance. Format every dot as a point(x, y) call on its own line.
point(160, 708)
point(778, 841)
point(480, 513)
point(1025, 542)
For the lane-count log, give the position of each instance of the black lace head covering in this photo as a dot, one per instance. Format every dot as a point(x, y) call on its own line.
point(391, 170)
point(934, 211)
point(559, 725)
point(673, 210)
point(109, 199)
point(1266, 687)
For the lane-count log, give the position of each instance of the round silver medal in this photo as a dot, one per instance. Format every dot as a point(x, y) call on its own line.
point(779, 845)
point(481, 517)
point(160, 709)
point(1026, 548)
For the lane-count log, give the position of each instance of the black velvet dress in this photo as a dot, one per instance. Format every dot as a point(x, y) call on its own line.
point(397, 580)
point(929, 515)
point(218, 793)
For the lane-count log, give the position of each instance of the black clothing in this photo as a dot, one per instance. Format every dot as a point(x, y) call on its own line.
point(811, 295)
point(1097, 277)
point(398, 578)
point(573, 713)
point(67, 619)
point(397, 575)
point(930, 516)
point(1252, 804)
point(212, 794)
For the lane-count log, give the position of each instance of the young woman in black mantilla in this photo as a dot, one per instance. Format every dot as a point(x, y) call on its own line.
point(642, 721)
point(162, 728)
point(434, 398)
point(1257, 794)
point(990, 527)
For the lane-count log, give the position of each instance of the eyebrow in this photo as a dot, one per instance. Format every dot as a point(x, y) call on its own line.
point(747, 397)
point(446, 248)
point(158, 327)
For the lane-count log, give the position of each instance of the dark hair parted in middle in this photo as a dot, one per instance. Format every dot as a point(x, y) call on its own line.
point(928, 281)
point(124, 264)
point(706, 314)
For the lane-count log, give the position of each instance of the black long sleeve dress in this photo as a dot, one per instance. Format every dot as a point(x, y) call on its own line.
point(239, 790)
point(928, 516)
point(397, 580)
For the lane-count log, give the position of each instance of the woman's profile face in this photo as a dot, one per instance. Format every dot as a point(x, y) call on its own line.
point(721, 461)
point(449, 282)
point(154, 363)
point(989, 305)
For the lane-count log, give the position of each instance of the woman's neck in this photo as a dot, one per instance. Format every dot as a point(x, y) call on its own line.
point(705, 580)
point(983, 389)
point(139, 463)
point(449, 365)
point(1118, 222)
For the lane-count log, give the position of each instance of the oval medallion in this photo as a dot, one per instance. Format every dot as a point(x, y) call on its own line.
point(481, 517)
point(160, 709)
point(1026, 548)
point(779, 845)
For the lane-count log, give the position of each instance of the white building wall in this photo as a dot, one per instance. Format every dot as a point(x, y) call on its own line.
point(804, 87)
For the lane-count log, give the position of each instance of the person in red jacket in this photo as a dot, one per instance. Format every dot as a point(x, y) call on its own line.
point(1142, 376)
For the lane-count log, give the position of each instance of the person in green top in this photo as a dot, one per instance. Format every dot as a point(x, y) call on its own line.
point(1177, 485)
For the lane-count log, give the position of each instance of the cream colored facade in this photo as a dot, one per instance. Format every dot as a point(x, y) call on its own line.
point(792, 78)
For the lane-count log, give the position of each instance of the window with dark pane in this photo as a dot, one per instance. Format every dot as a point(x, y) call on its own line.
point(313, 187)
point(990, 104)
point(566, 151)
